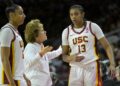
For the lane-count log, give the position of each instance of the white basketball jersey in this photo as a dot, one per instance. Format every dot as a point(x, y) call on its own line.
point(83, 42)
point(16, 56)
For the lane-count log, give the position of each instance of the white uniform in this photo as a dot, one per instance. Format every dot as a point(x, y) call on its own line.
point(9, 37)
point(37, 67)
point(83, 41)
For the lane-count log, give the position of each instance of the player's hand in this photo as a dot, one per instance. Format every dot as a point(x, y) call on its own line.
point(112, 71)
point(75, 58)
point(79, 58)
point(45, 50)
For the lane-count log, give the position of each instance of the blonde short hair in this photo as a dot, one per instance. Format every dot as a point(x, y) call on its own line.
point(32, 30)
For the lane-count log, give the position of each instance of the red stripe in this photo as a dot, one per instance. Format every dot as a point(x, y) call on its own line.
point(95, 45)
point(13, 33)
point(91, 29)
point(99, 77)
point(95, 38)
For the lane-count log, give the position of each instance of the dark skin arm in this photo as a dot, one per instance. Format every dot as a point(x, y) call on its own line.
point(5, 52)
point(110, 54)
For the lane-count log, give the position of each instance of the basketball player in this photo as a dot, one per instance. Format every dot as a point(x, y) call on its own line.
point(80, 38)
point(36, 56)
point(11, 48)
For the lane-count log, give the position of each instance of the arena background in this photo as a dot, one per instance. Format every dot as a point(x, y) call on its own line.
point(55, 17)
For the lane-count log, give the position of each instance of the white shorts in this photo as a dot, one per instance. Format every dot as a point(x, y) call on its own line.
point(43, 80)
point(88, 75)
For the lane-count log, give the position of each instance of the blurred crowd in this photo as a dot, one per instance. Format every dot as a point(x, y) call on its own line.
point(54, 15)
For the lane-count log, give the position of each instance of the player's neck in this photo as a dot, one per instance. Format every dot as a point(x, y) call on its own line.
point(79, 25)
point(14, 25)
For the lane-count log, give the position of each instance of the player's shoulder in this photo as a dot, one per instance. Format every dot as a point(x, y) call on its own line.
point(6, 29)
point(66, 29)
point(69, 26)
point(5, 26)
point(92, 23)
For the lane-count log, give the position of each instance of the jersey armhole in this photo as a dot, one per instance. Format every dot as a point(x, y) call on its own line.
point(14, 37)
point(91, 30)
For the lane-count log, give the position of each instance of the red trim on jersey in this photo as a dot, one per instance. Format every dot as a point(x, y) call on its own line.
point(98, 75)
point(13, 33)
point(14, 29)
point(80, 31)
point(91, 29)
point(96, 51)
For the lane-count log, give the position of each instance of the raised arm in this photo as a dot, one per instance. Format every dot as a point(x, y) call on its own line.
point(54, 54)
point(31, 56)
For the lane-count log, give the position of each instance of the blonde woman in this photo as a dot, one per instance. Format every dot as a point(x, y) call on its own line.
point(36, 56)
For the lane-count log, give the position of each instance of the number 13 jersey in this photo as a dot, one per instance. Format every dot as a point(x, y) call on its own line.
point(82, 41)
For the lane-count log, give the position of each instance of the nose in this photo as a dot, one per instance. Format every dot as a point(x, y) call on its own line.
point(73, 17)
